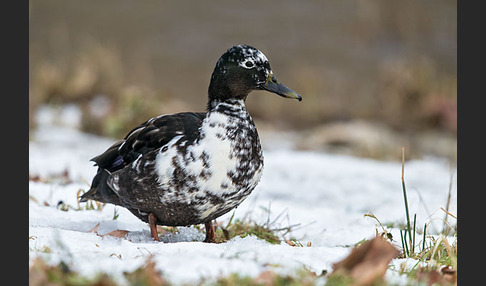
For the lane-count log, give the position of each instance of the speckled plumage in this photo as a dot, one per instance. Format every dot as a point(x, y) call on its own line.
point(190, 168)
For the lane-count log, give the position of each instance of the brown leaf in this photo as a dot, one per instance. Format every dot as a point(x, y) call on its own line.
point(116, 233)
point(161, 230)
point(368, 262)
point(434, 277)
point(449, 274)
point(290, 242)
point(428, 276)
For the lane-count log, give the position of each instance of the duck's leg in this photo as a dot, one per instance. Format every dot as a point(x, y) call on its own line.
point(153, 227)
point(210, 234)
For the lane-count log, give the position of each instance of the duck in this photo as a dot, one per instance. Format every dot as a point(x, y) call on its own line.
point(190, 168)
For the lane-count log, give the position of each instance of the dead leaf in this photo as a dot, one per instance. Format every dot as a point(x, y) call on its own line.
point(290, 242)
point(428, 276)
point(116, 233)
point(449, 274)
point(434, 277)
point(160, 230)
point(368, 262)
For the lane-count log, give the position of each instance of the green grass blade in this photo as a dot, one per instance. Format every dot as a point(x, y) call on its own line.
point(405, 196)
point(413, 242)
point(423, 241)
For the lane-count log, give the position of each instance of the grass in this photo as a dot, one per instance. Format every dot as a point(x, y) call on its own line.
point(434, 252)
point(408, 229)
point(40, 273)
point(301, 276)
point(271, 230)
point(244, 227)
point(431, 247)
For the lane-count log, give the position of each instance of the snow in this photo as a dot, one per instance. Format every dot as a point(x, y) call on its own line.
point(324, 196)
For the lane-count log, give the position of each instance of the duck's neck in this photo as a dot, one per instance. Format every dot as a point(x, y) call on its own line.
point(228, 104)
point(226, 88)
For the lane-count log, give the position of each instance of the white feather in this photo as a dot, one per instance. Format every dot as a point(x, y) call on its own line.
point(163, 162)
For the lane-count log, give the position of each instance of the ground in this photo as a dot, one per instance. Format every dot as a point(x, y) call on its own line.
point(323, 198)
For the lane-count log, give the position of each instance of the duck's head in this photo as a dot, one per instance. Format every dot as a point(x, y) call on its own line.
point(242, 69)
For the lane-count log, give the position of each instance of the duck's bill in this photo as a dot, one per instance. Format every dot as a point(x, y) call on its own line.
point(273, 85)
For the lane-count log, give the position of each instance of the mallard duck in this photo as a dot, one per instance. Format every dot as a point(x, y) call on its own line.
point(190, 168)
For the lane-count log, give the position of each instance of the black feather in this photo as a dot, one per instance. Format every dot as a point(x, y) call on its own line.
point(147, 137)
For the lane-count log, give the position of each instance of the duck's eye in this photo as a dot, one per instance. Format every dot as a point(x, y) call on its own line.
point(249, 64)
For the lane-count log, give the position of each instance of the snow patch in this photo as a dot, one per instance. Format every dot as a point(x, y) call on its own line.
point(324, 195)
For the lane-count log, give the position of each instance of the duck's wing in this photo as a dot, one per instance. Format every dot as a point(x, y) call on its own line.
point(149, 136)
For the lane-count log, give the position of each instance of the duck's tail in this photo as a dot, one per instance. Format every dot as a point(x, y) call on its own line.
point(100, 191)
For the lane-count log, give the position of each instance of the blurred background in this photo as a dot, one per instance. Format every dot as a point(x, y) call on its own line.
point(374, 75)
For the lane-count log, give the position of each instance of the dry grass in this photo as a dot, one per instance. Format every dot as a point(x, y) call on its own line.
point(435, 254)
